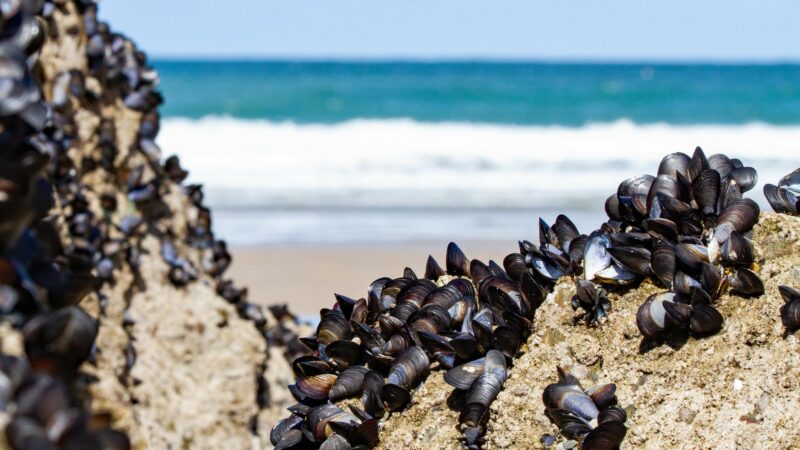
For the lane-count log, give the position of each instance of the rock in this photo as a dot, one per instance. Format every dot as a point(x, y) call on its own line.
point(730, 390)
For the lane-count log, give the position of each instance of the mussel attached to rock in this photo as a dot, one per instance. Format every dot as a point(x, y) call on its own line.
point(588, 415)
point(785, 197)
point(790, 311)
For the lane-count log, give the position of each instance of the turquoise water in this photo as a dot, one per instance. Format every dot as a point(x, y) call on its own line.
point(512, 93)
point(324, 152)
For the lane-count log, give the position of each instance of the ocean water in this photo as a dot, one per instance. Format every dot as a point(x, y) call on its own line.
point(327, 152)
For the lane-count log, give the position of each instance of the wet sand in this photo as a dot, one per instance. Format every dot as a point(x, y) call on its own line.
point(306, 277)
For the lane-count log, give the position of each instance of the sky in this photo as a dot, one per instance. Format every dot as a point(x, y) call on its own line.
point(584, 30)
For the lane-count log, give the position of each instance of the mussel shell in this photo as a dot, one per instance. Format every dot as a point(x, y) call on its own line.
point(397, 344)
point(532, 292)
point(309, 365)
point(607, 436)
point(26, 433)
point(332, 327)
point(616, 275)
point(712, 280)
point(41, 397)
point(462, 377)
point(737, 251)
point(730, 193)
point(739, 216)
point(747, 284)
point(790, 314)
point(313, 388)
point(318, 418)
point(395, 397)
point(433, 343)
point(515, 266)
point(662, 264)
point(417, 292)
point(283, 426)
point(721, 164)
point(569, 397)
point(674, 164)
point(677, 313)
point(345, 304)
point(372, 389)
point(691, 256)
point(335, 442)
point(698, 163)
point(603, 395)
point(402, 313)
point(776, 200)
point(457, 262)
point(635, 185)
point(59, 341)
point(651, 318)
point(612, 414)
point(633, 259)
point(348, 384)
point(662, 229)
point(663, 185)
point(507, 340)
point(705, 320)
point(411, 367)
point(432, 319)
point(746, 177)
point(433, 271)
point(565, 231)
point(479, 271)
point(596, 257)
point(683, 284)
point(706, 190)
point(372, 341)
point(789, 294)
point(485, 389)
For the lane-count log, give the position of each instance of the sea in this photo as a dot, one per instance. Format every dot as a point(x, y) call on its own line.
point(330, 153)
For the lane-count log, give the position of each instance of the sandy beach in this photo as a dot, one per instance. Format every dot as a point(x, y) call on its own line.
point(306, 277)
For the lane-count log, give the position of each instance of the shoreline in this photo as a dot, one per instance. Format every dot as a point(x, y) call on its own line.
point(306, 275)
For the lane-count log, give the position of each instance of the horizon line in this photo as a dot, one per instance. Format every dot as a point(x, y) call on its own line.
point(475, 60)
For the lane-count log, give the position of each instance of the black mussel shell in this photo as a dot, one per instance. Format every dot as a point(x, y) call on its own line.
point(651, 318)
point(348, 384)
point(633, 259)
point(706, 190)
point(462, 377)
point(59, 341)
point(747, 284)
point(607, 436)
point(662, 264)
point(705, 320)
point(789, 294)
point(674, 163)
point(746, 177)
point(479, 271)
point(433, 270)
point(457, 262)
point(737, 251)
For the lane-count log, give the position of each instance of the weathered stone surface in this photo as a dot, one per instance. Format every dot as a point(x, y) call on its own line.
point(737, 389)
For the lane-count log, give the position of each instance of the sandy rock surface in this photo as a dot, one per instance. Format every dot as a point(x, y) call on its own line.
point(737, 389)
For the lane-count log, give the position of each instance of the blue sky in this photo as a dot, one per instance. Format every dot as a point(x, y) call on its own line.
point(686, 30)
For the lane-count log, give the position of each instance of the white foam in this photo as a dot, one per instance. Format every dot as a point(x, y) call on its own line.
point(402, 163)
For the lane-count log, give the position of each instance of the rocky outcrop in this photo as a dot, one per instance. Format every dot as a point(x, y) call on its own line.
point(178, 362)
point(736, 389)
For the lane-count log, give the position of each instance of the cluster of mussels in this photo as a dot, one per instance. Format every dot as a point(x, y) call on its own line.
point(42, 279)
point(591, 415)
point(785, 197)
point(687, 228)
point(470, 318)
